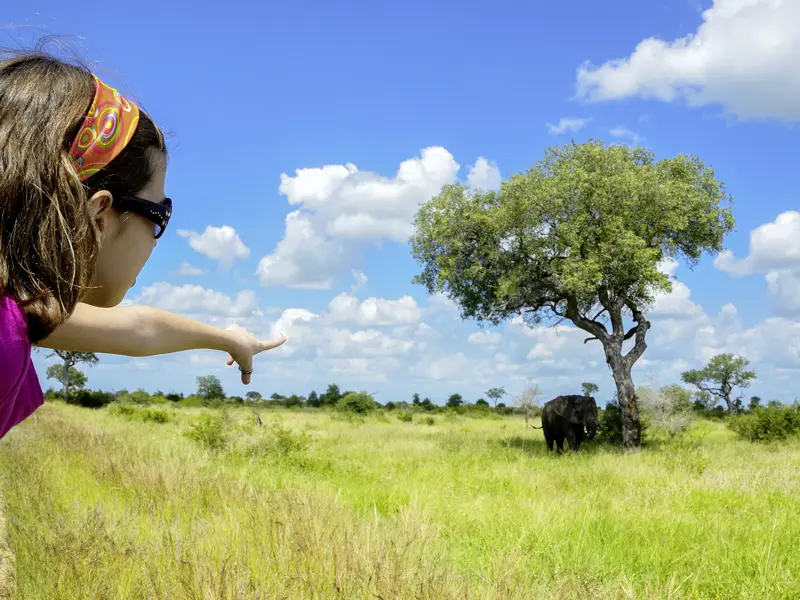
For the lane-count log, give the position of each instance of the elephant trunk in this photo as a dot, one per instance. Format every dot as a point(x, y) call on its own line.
point(591, 428)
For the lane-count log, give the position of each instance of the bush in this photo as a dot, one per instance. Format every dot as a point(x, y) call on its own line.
point(610, 419)
point(360, 403)
point(131, 413)
point(774, 423)
point(191, 401)
point(667, 408)
point(404, 416)
point(288, 442)
point(138, 397)
point(174, 397)
point(154, 416)
point(90, 399)
point(428, 420)
point(122, 410)
point(209, 432)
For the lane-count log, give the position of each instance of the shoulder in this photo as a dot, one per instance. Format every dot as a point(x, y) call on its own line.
point(15, 347)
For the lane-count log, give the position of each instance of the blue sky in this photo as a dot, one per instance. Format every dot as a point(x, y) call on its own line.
point(263, 89)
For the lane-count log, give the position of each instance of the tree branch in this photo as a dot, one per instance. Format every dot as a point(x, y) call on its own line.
point(640, 331)
point(600, 313)
point(631, 332)
point(573, 314)
point(614, 308)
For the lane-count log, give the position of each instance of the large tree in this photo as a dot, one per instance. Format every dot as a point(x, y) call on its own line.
point(495, 394)
point(69, 375)
point(578, 237)
point(720, 377)
point(209, 387)
point(589, 388)
point(454, 401)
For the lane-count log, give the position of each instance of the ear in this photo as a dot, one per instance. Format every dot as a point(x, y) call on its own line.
point(565, 408)
point(99, 205)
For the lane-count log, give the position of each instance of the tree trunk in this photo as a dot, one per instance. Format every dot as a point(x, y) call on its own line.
point(626, 396)
point(65, 381)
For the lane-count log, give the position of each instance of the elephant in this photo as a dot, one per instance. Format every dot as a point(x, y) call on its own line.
point(571, 417)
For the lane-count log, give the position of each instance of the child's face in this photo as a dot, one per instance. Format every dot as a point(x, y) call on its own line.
point(126, 242)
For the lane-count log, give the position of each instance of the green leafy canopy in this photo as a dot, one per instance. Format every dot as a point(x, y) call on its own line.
point(585, 221)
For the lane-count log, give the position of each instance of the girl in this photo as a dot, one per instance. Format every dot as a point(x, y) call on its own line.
point(82, 204)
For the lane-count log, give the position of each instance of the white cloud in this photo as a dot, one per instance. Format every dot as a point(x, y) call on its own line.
point(454, 368)
point(342, 208)
point(677, 303)
point(784, 289)
point(217, 243)
point(187, 270)
point(343, 342)
point(624, 132)
point(373, 312)
point(304, 258)
point(196, 300)
point(485, 337)
point(775, 252)
point(360, 277)
point(742, 57)
point(566, 125)
point(484, 175)
point(774, 245)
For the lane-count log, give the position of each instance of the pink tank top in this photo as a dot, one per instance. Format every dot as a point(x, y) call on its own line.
point(20, 390)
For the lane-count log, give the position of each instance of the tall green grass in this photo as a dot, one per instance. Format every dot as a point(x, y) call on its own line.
point(311, 505)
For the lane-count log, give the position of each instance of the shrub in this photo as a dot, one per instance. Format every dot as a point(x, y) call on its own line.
point(154, 416)
point(286, 441)
point(174, 397)
point(667, 408)
point(428, 420)
point(122, 410)
point(90, 399)
point(191, 401)
point(280, 441)
point(404, 416)
point(131, 413)
point(610, 419)
point(138, 397)
point(209, 432)
point(774, 423)
point(353, 402)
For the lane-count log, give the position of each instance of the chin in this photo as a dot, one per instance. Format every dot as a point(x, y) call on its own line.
point(103, 299)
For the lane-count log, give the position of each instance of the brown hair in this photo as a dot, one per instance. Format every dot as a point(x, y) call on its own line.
point(48, 235)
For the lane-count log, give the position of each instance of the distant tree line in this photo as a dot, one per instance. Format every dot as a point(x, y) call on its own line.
point(718, 394)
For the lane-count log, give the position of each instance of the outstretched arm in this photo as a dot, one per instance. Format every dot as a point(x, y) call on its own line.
point(147, 331)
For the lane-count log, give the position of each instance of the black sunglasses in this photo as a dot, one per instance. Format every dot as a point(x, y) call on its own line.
point(157, 214)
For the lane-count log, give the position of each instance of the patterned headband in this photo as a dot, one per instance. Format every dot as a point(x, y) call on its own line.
point(106, 130)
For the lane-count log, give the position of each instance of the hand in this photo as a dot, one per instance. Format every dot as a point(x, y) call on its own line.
point(245, 346)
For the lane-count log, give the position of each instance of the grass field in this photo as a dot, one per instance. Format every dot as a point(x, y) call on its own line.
point(105, 506)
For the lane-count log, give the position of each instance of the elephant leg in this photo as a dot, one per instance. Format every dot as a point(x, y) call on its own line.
point(572, 438)
point(560, 443)
point(549, 441)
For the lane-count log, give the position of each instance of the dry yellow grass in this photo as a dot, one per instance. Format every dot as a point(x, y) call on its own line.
point(100, 506)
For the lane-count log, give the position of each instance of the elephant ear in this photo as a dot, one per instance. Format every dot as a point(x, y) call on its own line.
point(565, 408)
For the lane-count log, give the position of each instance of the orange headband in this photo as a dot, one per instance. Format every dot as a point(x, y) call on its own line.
point(105, 131)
